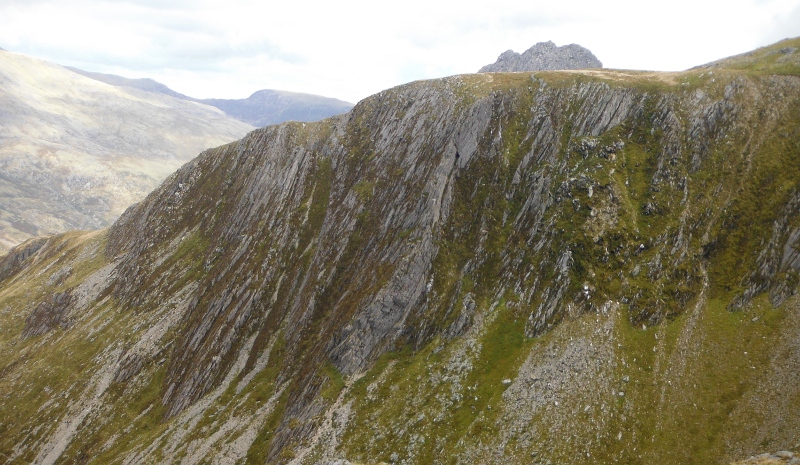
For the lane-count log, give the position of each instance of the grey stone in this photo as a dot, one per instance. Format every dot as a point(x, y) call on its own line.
point(49, 314)
point(544, 56)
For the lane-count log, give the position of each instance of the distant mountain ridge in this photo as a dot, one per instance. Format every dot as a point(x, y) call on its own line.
point(542, 57)
point(268, 106)
point(262, 108)
point(146, 84)
point(75, 153)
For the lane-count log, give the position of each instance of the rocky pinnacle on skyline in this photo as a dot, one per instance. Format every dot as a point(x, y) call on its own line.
point(544, 56)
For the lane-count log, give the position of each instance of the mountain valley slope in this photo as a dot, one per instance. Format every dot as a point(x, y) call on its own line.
point(584, 267)
point(74, 153)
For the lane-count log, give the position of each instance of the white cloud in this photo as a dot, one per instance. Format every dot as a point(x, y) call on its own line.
point(350, 49)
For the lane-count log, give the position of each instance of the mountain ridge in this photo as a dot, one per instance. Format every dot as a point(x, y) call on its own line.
point(267, 106)
point(145, 84)
point(262, 108)
point(585, 266)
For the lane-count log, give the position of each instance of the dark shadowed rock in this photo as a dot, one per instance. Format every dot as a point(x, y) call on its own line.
point(15, 260)
point(544, 56)
point(48, 314)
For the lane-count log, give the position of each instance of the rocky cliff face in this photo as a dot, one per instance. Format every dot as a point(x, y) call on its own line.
point(544, 56)
point(586, 266)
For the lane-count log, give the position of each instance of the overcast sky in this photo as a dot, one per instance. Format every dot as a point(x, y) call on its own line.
point(352, 49)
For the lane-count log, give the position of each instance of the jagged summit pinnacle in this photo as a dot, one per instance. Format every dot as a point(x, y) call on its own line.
point(544, 56)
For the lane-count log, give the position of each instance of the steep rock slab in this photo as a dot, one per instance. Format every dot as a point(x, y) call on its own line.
point(369, 230)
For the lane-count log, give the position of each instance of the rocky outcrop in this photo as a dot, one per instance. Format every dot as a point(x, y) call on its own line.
point(782, 457)
point(14, 261)
point(493, 267)
point(51, 313)
point(544, 56)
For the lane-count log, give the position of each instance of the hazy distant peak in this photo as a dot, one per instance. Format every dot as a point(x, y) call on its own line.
point(264, 94)
point(262, 108)
point(146, 84)
point(544, 56)
point(269, 106)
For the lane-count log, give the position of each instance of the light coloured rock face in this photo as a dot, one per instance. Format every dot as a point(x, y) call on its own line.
point(542, 57)
point(489, 268)
point(74, 152)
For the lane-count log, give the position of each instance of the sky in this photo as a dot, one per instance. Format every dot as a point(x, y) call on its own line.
point(350, 49)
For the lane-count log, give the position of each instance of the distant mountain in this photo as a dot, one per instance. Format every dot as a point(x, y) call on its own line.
point(544, 56)
point(263, 108)
point(267, 107)
point(75, 153)
point(143, 84)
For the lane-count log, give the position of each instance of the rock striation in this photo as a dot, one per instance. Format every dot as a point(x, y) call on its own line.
point(492, 268)
point(544, 56)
